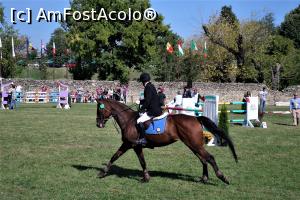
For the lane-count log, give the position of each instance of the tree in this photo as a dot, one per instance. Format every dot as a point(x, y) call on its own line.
point(227, 16)
point(268, 22)
point(281, 61)
point(112, 47)
point(61, 48)
point(224, 122)
point(225, 32)
point(1, 14)
point(8, 62)
point(163, 64)
point(243, 41)
point(290, 27)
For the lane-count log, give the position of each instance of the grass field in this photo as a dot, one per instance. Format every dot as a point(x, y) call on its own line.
point(46, 153)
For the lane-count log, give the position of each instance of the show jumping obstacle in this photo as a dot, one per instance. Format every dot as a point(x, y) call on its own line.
point(250, 113)
point(191, 106)
point(63, 98)
point(60, 98)
point(210, 108)
point(4, 93)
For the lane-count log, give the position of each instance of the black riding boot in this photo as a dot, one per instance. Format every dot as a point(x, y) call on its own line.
point(142, 139)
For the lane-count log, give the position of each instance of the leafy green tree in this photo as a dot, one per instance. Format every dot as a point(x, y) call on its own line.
point(227, 16)
point(164, 65)
point(224, 31)
point(268, 22)
point(281, 61)
point(112, 47)
point(61, 56)
point(8, 62)
point(290, 27)
point(243, 41)
point(224, 121)
point(1, 14)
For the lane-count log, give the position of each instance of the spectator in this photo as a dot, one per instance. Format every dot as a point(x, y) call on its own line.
point(262, 102)
point(110, 93)
point(12, 97)
point(124, 93)
point(195, 92)
point(295, 109)
point(44, 88)
point(186, 93)
point(245, 99)
point(162, 96)
point(197, 97)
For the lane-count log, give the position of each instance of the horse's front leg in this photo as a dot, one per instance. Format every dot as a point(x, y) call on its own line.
point(139, 152)
point(123, 148)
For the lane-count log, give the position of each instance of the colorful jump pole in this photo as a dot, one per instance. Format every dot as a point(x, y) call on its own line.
point(234, 103)
point(183, 109)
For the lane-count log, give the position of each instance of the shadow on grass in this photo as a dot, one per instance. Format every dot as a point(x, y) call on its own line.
point(136, 174)
point(283, 124)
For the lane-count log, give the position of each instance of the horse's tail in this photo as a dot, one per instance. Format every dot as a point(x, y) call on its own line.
point(212, 127)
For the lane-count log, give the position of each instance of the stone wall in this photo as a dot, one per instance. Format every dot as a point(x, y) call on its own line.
point(226, 91)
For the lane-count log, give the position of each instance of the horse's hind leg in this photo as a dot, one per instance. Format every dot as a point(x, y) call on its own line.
point(124, 147)
point(204, 177)
point(205, 158)
point(139, 152)
point(211, 160)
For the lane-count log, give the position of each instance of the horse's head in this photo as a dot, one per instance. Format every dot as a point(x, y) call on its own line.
point(104, 111)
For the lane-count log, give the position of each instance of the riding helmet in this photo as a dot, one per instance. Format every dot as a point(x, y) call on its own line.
point(145, 77)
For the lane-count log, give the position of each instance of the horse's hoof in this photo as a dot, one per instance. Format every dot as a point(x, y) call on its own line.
point(146, 178)
point(204, 179)
point(222, 177)
point(102, 174)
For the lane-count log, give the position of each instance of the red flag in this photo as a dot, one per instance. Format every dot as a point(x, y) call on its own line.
point(169, 48)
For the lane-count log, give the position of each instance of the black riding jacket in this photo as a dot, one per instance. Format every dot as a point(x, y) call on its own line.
point(151, 103)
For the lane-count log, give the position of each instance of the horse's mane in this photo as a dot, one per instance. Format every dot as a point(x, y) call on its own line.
point(123, 106)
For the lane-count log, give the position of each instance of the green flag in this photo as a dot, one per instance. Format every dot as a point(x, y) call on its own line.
point(194, 46)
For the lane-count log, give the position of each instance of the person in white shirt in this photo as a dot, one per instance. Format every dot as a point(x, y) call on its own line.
point(262, 100)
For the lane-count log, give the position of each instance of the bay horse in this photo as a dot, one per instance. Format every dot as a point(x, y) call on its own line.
point(186, 128)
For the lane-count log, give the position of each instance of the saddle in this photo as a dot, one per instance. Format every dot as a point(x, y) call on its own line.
point(156, 125)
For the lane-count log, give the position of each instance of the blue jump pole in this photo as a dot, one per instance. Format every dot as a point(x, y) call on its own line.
point(234, 103)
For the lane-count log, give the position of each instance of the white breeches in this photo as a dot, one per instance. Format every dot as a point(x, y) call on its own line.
point(144, 117)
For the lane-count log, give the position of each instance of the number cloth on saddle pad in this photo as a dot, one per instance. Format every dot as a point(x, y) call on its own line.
point(158, 125)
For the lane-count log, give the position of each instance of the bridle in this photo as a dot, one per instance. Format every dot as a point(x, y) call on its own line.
point(112, 115)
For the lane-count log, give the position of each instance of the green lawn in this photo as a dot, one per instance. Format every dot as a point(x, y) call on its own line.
point(46, 153)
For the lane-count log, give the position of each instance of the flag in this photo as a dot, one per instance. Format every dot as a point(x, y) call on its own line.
point(13, 47)
point(205, 50)
point(180, 50)
point(53, 49)
point(31, 47)
point(27, 47)
point(170, 48)
point(42, 47)
point(194, 46)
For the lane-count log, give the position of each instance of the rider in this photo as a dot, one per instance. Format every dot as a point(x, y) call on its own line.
point(150, 105)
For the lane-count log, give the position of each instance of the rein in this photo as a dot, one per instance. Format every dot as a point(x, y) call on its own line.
point(116, 114)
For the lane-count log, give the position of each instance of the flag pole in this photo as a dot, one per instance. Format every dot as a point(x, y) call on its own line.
point(1, 61)
point(53, 53)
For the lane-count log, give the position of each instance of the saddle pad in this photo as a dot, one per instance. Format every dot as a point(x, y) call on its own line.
point(157, 126)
